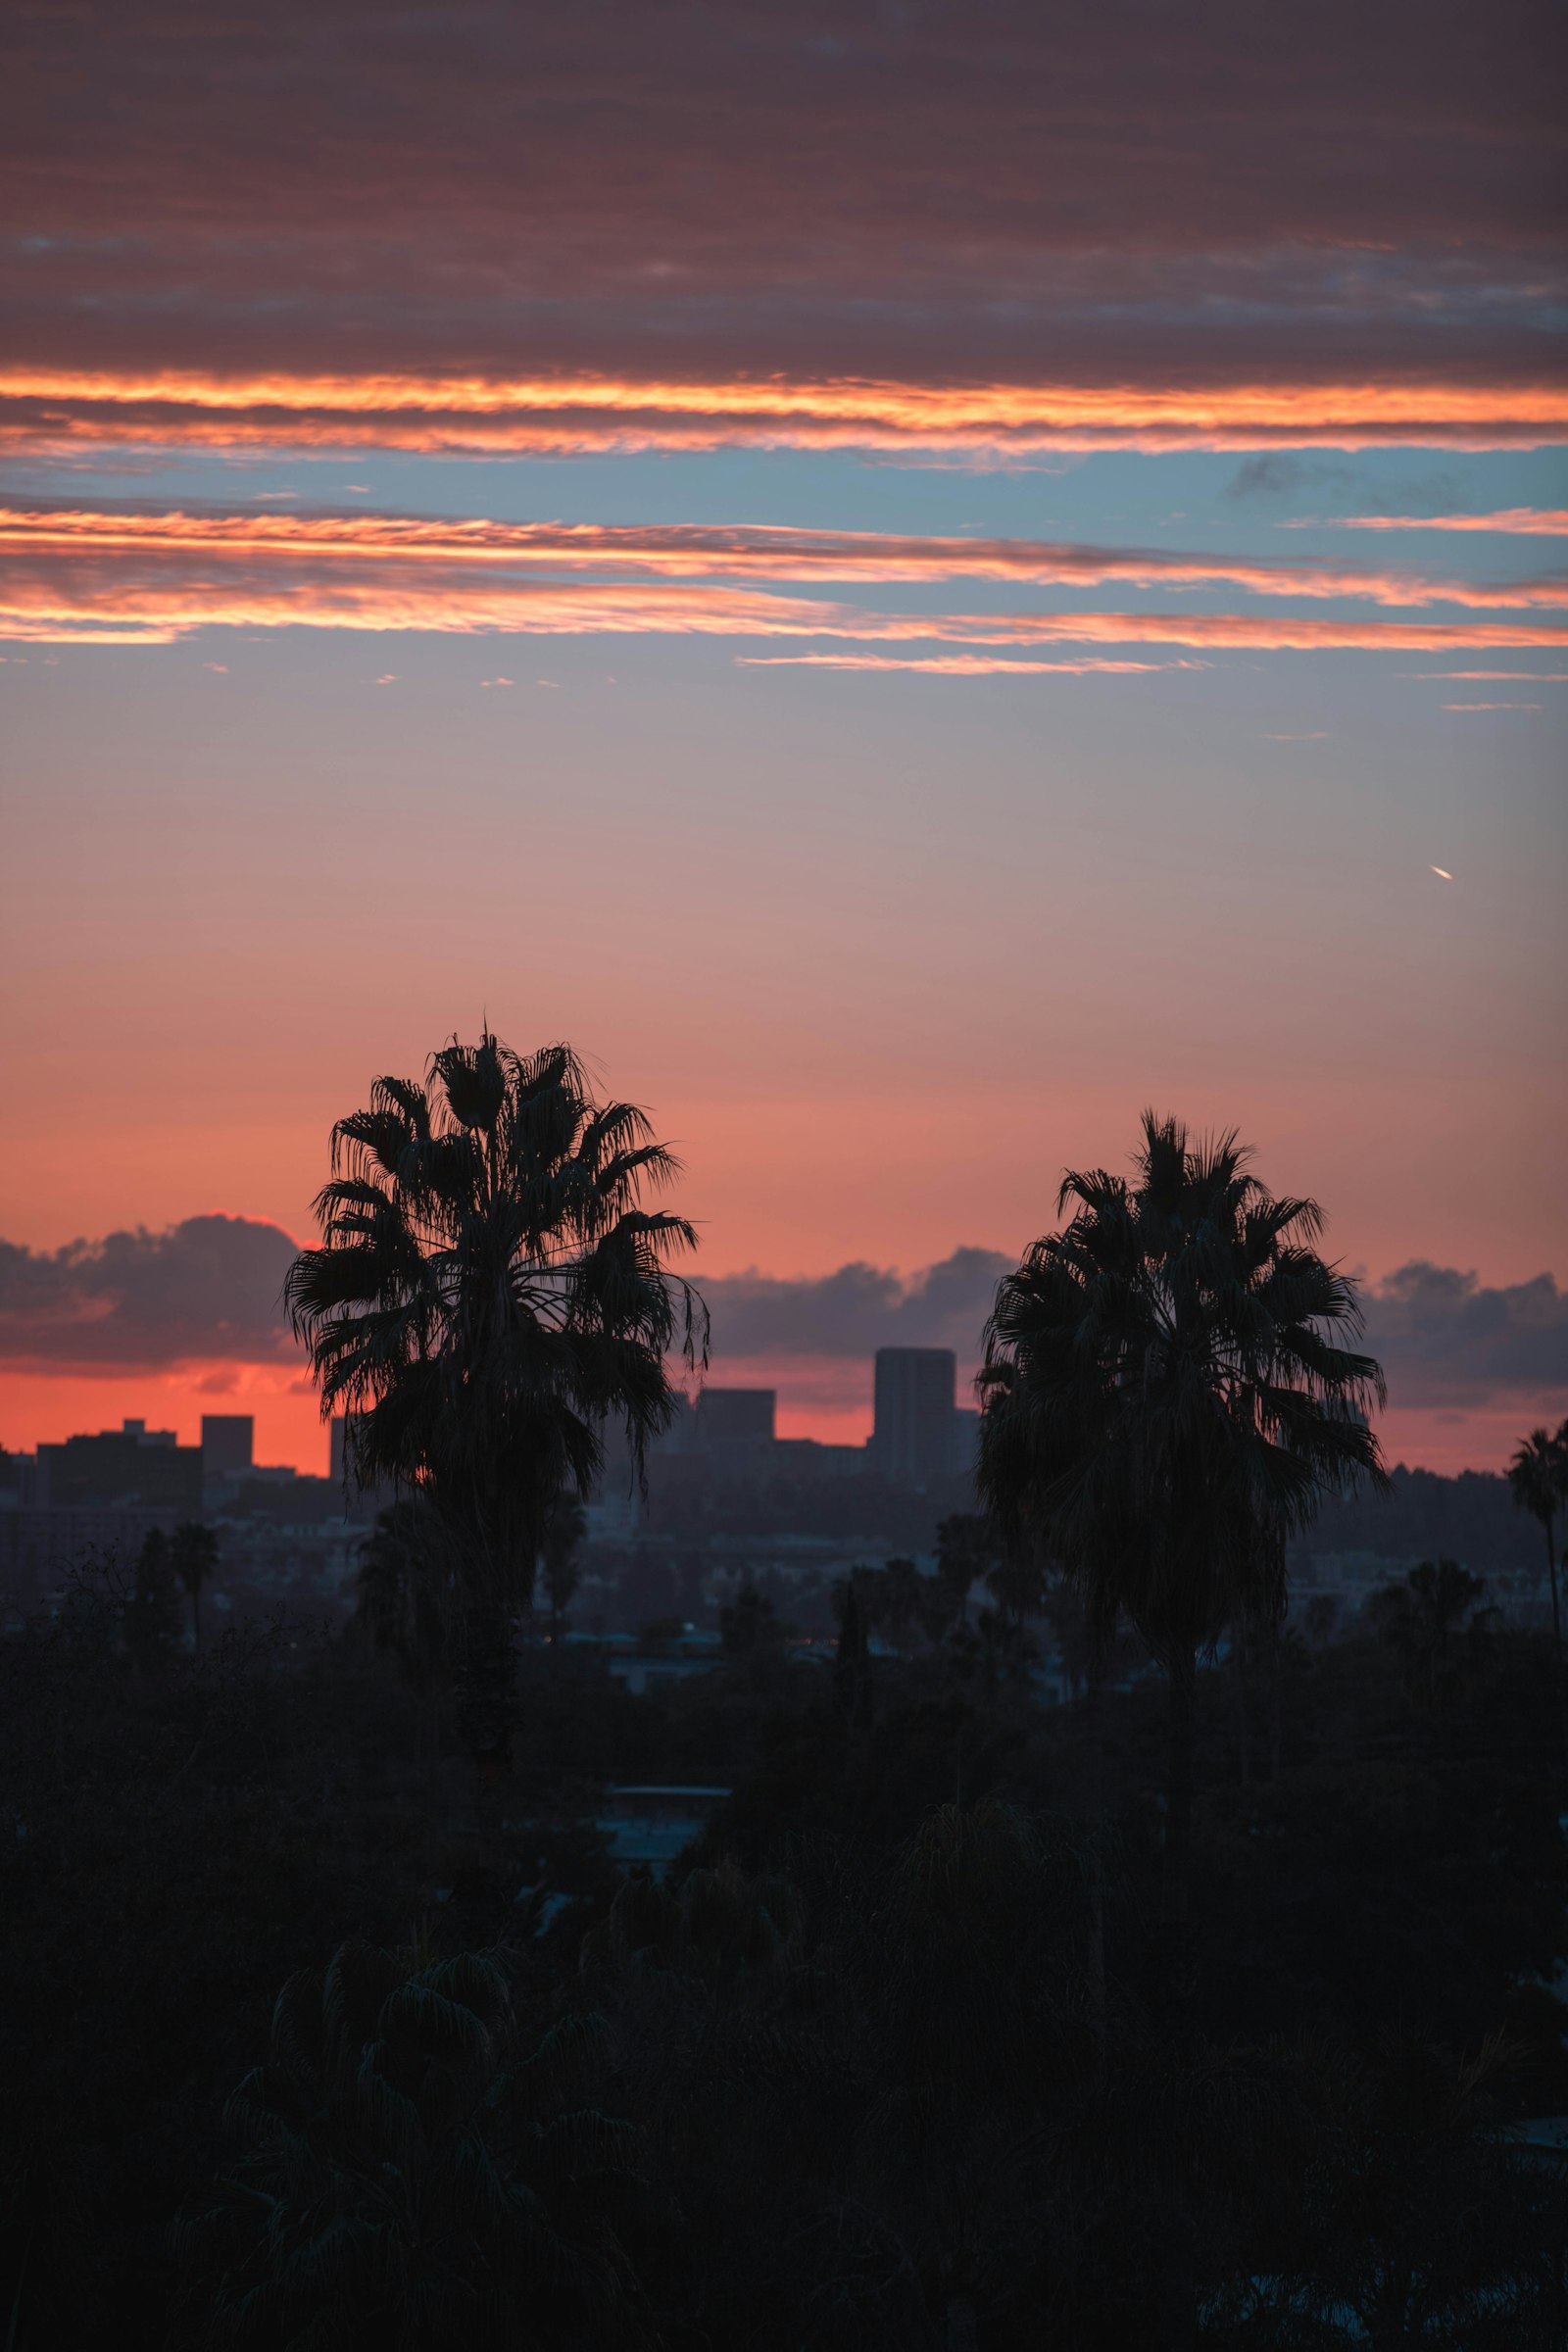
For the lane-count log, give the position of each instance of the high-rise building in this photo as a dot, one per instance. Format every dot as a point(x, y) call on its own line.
point(228, 1444)
point(736, 1416)
point(913, 1440)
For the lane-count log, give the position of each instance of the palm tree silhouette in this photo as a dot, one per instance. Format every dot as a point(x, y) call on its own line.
point(488, 1294)
point(1167, 1400)
point(193, 1555)
point(1421, 1619)
point(1538, 1478)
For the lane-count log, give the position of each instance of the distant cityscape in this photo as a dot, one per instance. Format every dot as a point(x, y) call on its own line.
point(294, 1533)
point(724, 1504)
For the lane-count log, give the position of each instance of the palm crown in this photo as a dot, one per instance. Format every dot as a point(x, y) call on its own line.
point(489, 1291)
point(1167, 1395)
point(1537, 1475)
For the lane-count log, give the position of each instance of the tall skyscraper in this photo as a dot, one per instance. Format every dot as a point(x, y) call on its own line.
point(228, 1444)
point(916, 1388)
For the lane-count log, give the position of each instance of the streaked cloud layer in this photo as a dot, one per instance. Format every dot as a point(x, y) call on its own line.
point(492, 414)
point(80, 574)
point(812, 220)
point(703, 551)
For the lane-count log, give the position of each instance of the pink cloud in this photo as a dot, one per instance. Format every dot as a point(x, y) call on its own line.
point(1551, 523)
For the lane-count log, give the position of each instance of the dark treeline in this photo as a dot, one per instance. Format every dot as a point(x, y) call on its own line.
point(1472, 1517)
point(888, 2059)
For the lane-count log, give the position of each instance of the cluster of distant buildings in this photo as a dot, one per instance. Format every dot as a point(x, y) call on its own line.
point(100, 1495)
point(921, 1433)
point(921, 1438)
point(287, 1534)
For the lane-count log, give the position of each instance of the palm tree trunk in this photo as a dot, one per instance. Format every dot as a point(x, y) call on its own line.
point(1094, 1729)
point(1556, 1636)
point(196, 1617)
point(1176, 1882)
point(486, 1676)
point(1238, 1685)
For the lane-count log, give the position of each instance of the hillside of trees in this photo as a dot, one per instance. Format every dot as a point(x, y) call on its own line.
point(886, 2060)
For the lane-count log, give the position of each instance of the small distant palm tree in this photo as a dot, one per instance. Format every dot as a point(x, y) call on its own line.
point(1421, 1617)
point(1538, 1478)
point(151, 1606)
point(488, 1293)
point(1167, 1399)
point(193, 1556)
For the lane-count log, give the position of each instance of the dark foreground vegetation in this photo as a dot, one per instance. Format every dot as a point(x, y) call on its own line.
point(887, 2061)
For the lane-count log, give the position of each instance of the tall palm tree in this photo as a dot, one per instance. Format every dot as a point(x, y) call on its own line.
point(488, 1293)
point(1167, 1399)
point(1538, 1476)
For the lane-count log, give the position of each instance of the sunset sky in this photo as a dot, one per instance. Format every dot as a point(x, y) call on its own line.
point(914, 579)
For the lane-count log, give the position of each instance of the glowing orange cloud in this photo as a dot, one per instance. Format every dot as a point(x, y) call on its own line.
point(91, 603)
point(1546, 522)
point(747, 551)
point(48, 409)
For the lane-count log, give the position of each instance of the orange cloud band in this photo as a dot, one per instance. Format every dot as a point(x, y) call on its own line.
point(52, 409)
point(703, 550)
point(96, 601)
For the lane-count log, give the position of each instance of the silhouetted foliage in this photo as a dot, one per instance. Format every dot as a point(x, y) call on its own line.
point(883, 2061)
point(1423, 1620)
point(1165, 1403)
point(488, 1293)
point(564, 1529)
point(1538, 1478)
point(416, 2175)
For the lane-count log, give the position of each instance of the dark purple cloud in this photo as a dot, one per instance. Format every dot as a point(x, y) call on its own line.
point(856, 1310)
point(209, 1288)
point(1445, 1338)
point(931, 190)
point(208, 1291)
point(1442, 1337)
